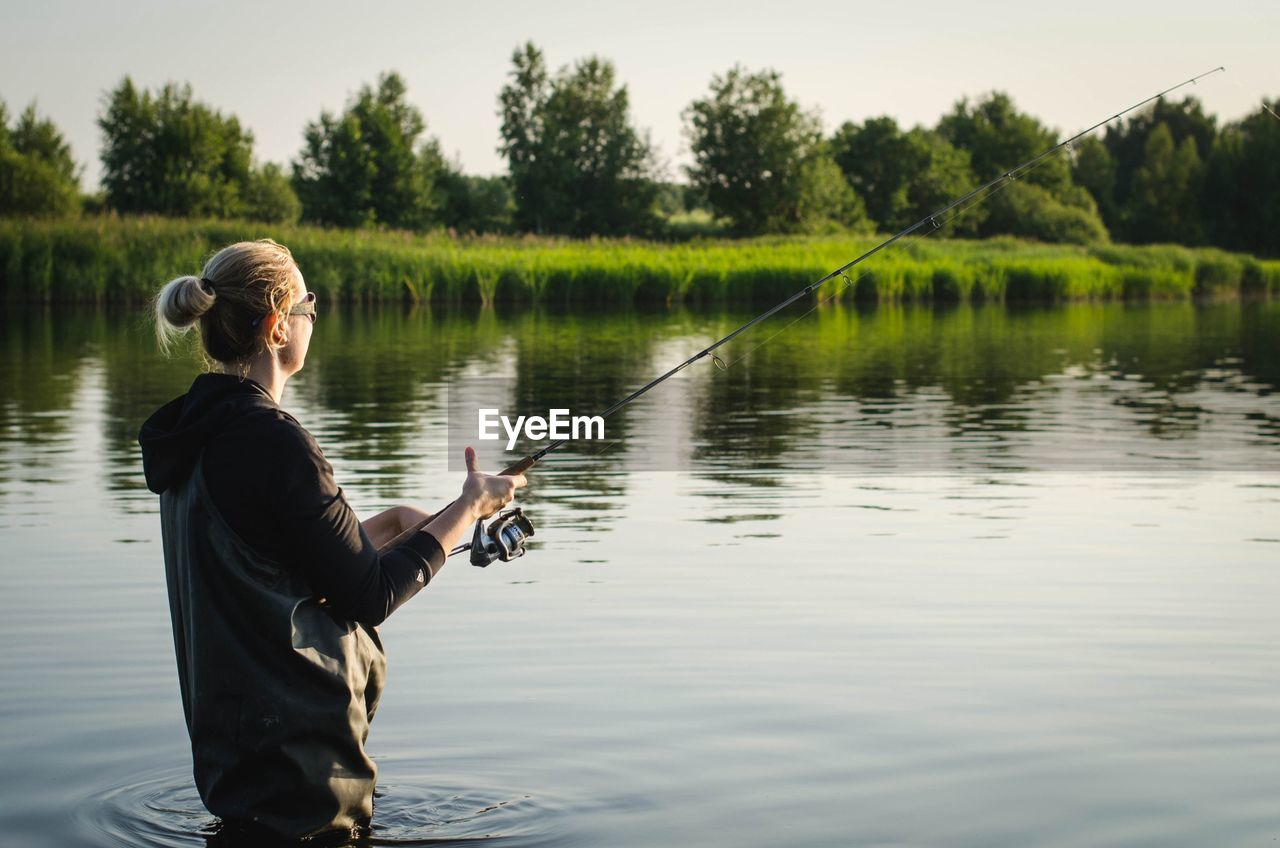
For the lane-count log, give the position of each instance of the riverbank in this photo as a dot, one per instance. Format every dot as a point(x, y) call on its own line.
point(126, 259)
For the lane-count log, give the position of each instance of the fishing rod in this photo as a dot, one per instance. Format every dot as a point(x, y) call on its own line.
point(505, 538)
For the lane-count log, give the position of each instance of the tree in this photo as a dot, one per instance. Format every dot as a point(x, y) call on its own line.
point(1242, 183)
point(471, 204)
point(750, 145)
point(37, 174)
point(826, 202)
point(941, 174)
point(269, 197)
point(1030, 211)
point(168, 154)
point(874, 159)
point(1127, 141)
point(577, 164)
point(670, 198)
point(905, 176)
point(522, 107)
point(367, 165)
point(1093, 168)
point(1164, 198)
point(999, 137)
point(41, 140)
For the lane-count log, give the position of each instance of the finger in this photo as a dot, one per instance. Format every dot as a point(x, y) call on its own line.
point(520, 481)
point(470, 455)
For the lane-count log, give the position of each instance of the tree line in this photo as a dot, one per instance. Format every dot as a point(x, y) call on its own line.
point(578, 166)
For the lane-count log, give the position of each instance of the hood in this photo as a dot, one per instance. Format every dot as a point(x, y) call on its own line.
point(173, 438)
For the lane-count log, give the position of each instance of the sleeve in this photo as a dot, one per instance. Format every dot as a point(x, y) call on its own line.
point(320, 533)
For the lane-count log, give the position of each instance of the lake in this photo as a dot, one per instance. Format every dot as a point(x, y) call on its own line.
point(973, 576)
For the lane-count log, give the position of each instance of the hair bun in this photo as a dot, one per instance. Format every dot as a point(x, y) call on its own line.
point(181, 303)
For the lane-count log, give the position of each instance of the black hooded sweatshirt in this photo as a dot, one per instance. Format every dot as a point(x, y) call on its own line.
point(269, 479)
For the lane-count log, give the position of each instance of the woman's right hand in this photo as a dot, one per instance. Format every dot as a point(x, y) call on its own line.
point(485, 494)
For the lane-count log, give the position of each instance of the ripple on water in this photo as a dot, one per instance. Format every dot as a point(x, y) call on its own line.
point(161, 809)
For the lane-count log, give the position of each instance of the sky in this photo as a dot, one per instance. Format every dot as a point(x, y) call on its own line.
point(277, 65)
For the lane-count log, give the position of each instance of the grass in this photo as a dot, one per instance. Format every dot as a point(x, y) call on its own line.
point(126, 260)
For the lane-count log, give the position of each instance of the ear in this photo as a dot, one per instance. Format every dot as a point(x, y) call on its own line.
point(276, 330)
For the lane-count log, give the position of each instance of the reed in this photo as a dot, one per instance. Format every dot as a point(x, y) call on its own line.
point(110, 259)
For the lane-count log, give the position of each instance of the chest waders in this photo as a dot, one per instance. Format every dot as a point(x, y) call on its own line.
point(277, 693)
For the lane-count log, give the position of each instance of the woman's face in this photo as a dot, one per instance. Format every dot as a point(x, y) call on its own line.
point(297, 330)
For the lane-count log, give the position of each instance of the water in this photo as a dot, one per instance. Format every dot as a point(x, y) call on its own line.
point(964, 576)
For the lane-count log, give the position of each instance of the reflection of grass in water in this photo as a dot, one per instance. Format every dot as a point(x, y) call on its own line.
point(377, 375)
point(126, 259)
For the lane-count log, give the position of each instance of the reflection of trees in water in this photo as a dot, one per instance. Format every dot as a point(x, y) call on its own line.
point(734, 418)
point(984, 372)
point(992, 366)
point(137, 380)
point(374, 373)
point(48, 355)
point(40, 374)
point(1154, 357)
point(1259, 356)
point(586, 362)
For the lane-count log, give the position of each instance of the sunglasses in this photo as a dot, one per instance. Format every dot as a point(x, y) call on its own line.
point(306, 306)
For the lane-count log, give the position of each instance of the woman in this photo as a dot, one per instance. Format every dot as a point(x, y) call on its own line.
point(275, 587)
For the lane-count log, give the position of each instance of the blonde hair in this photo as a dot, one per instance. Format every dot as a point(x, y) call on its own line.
point(239, 285)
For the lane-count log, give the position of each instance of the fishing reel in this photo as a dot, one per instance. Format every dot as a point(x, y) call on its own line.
point(504, 540)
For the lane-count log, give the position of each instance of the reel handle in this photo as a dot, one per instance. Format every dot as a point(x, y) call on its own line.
point(510, 471)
